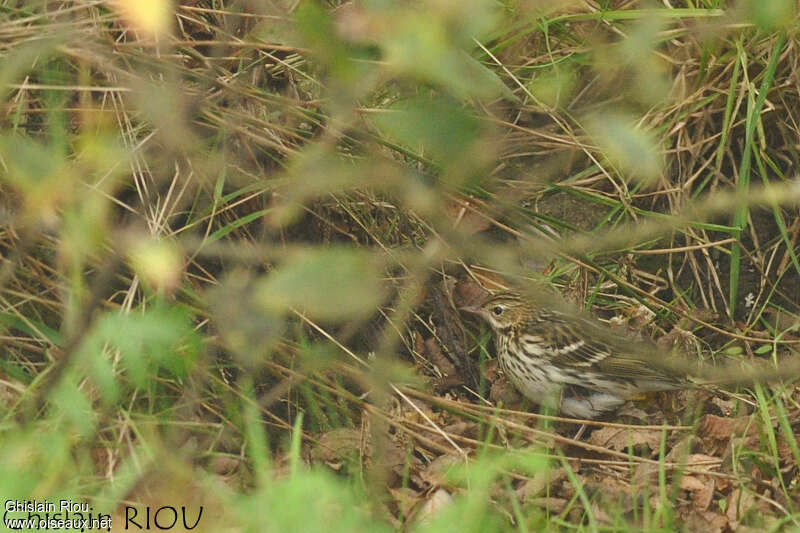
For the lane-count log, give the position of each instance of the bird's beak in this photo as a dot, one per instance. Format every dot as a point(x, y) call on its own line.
point(474, 309)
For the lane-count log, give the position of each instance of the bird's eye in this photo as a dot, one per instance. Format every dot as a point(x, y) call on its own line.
point(497, 310)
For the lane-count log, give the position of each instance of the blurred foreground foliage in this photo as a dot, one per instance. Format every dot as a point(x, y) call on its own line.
point(227, 227)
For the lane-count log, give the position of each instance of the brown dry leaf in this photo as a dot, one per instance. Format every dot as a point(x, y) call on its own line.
point(600, 514)
point(405, 499)
point(467, 293)
point(534, 486)
point(701, 488)
point(492, 370)
point(462, 429)
point(679, 339)
point(338, 444)
point(465, 216)
point(465, 429)
point(681, 449)
point(502, 392)
point(739, 503)
point(419, 343)
point(440, 499)
point(336, 447)
point(702, 462)
point(614, 493)
point(435, 474)
point(431, 351)
point(785, 452)
point(410, 409)
point(489, 279)
point(630, 412)
point(706, 521)
point(224, 465)
point(552, 504)
point(620, 439)
point(721, 428)
point(392, 456)
point(726, 406)
point(646, 474)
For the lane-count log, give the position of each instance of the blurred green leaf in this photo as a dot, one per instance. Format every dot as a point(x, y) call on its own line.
point(37, 458)
point(436, 127)
point(272, 31)
point(634, 151)
point(39, 172)
point(309, 502)
point(734, 350)
point(85, 223)
point(161, 337)
point(328, 284)
point(316, 26)
point(159, 262)
point(483, 471)
point(317, 29)
point(69, 399)
point(764, 348)
point(19, 468)
point(422, 48)
point(21, 59)
point(472, 507)
point(481, 81)
point(102, 373)
point(15, 371)
point(246, 328)
point(554, 86)
point(30, 326)
point(772, 14)
point(319, 170)
point(651, 81)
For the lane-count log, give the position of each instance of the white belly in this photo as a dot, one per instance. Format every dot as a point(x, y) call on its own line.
point(543, 384)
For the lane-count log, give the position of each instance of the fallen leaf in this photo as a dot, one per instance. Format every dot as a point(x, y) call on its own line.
point(435, 474)
point(503, 392)
point(469, 293)
point(224, 465)
point(725, 406)
point(701, 488)
point(679, 339)
point(336, 445)
point(620, 439)
point(721, 428)
point(552, 504)
point(706, 521)
point(463, 429)
point(434, 505)
point(739, 503)
point(702, 462)
point(466, 217)
point(430, 350)
point(600, 514)
point(630, 411)
point(785, 452)
point(534, 486)
point(406, 499)
point(487, 280)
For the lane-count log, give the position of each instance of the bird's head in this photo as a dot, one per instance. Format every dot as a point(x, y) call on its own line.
point(501, 311)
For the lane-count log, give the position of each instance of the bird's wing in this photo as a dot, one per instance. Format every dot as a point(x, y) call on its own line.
point(580, 343)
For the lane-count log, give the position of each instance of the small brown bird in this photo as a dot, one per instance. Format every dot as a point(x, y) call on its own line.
point(570, 362)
